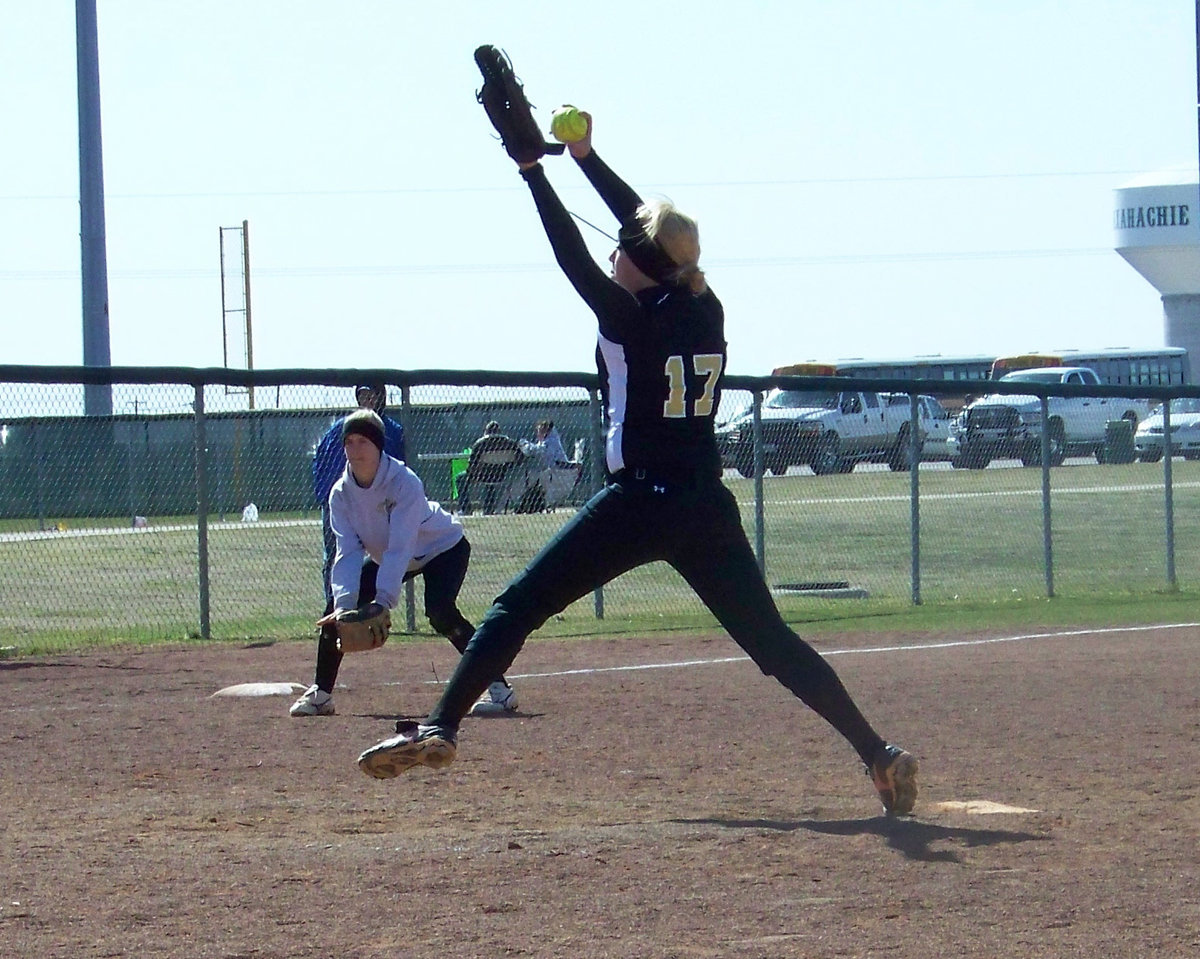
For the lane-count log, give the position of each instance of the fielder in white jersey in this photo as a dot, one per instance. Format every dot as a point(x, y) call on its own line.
point(386, 532)
point(392, 523)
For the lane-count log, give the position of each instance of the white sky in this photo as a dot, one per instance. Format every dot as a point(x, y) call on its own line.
point(871, 178)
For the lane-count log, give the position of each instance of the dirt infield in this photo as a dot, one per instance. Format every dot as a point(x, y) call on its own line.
point(688, 811)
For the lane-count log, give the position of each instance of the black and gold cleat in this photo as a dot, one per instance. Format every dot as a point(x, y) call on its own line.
point(429, 746)
point(894, 774)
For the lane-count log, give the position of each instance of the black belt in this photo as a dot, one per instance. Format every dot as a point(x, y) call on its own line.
point(659, 481)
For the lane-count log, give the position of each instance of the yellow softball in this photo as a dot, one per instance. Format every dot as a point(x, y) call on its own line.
point(568, 125)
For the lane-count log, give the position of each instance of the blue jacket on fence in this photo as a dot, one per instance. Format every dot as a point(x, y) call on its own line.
point(330, 461)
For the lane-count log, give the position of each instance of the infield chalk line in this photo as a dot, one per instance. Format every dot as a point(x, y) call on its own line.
point(980, 494)
point(226, 525)
point(214, 527)
point(1026, 637)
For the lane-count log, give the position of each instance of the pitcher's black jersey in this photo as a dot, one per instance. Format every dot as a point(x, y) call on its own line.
point(661, 353)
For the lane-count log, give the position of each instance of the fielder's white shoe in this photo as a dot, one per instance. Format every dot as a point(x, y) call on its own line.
point(498, 698)
point(314, 702)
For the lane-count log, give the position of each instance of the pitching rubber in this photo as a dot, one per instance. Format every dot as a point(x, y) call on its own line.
point(390, 758)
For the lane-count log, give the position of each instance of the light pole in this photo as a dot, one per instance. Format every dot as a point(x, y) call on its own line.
point(97, 397)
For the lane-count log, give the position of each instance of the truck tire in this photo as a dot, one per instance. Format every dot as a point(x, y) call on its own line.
point(744, 460)
point(970, 457)
point(900, 459)
point(792, 451)
point(827, 458)
point(1058, 443)
point(1150, 456)
point(975, 460)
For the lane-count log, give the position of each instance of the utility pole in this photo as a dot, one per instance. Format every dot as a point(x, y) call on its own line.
point(97, 398)
point(229, 301)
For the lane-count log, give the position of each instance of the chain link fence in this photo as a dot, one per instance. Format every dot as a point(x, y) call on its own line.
point(190, 511)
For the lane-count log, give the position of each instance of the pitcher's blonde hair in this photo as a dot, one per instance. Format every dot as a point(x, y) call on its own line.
point(679, 237)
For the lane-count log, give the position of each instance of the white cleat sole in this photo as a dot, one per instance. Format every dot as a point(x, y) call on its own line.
point(390, 758)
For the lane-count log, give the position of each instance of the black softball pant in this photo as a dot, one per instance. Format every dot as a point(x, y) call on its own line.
point(443, 575)
point(698, 531)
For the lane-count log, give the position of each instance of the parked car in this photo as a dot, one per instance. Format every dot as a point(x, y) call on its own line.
point(1185, 432)
point(829, 430)
point(1009, 425)
point(936, 424)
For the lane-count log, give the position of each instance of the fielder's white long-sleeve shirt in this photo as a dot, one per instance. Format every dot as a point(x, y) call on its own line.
point(392, 522)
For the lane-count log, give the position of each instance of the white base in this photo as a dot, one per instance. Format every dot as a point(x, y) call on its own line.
point(262, 689)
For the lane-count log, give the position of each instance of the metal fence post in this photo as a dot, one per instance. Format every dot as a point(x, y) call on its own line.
point(410, 604)
point(131, 472)
point(596, 416)
point(1169, 495)
point(37, 463)
point(760, 538)
point(1047, 541)
point(202, 511)
point(915, 443)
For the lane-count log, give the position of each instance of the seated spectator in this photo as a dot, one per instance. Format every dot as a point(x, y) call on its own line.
point(492, 458)
point(547, 440)
point(549, 475)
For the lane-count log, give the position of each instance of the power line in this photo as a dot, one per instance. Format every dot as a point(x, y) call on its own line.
point(408, 191)
point(436, 269)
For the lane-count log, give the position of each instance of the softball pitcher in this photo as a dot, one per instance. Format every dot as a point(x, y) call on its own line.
point(661, 358)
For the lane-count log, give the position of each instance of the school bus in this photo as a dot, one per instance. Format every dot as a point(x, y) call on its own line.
point(965, 372)
point(1167, 366)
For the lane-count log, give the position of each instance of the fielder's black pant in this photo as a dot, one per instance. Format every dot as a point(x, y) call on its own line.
point(443, 576)
point(631, 522)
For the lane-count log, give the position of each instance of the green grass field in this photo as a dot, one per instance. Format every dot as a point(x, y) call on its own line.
point(981, 553)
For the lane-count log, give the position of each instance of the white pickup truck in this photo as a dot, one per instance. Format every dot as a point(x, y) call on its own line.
point(829, 430)
point(1010, 425)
